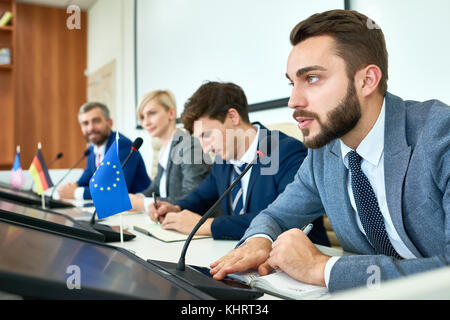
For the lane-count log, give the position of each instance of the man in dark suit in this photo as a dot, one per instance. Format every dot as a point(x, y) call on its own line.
point(217, 114)
point(96, 126)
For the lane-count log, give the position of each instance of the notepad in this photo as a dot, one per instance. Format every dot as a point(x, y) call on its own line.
point(280, 284)
point(155, 230)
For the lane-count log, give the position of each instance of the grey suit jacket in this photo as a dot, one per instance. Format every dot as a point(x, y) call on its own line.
point(186, 168)
point(417, 179)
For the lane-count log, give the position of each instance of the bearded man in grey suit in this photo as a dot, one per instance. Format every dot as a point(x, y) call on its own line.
point(378, 166)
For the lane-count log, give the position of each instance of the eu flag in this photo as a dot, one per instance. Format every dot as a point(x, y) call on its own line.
point(108, 186)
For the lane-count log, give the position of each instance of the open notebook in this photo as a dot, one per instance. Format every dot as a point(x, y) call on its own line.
point(282, 285)
point(155, 230)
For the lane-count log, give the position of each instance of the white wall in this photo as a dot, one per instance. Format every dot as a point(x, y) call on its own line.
point(111, 37)
point(417, 38)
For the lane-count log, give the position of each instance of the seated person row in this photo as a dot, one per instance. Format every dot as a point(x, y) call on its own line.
point(217, 114)
point(96, 126)
point(181, 162)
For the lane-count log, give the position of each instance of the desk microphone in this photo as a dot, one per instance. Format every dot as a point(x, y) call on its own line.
point(85, 154)
point(181, 262)
point(110, 234)
point(58, 156)
point(201, 279)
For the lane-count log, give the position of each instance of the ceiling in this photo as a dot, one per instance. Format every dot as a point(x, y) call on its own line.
point(83, 4)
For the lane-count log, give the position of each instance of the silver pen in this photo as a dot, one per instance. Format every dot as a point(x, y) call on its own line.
point(307, 229)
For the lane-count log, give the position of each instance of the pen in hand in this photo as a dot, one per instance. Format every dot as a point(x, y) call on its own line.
point(307, 228)
point(156, 207)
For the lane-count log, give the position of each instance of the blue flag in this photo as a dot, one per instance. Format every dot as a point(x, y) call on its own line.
point(108, 186)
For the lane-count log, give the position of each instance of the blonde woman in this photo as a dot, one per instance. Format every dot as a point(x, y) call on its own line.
point(181, 162)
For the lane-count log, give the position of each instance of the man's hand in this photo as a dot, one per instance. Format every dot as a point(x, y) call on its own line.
point(163, 208)
point(251, 255)
point(67, 191)
point(296, 255)
point(137, 202)
point(185, 221)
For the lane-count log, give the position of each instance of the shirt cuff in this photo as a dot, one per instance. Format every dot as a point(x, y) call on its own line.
point(258, 235)
point(147, 202)
point(79, 193)
point(328, 268)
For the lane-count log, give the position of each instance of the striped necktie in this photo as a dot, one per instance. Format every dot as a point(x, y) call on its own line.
point(368, 210)
point(237, 201)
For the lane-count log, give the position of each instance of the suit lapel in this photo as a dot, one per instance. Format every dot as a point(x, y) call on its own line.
point(264, 141)
point(397, 154)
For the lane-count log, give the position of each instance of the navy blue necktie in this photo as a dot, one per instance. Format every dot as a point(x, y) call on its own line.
point(368, 210)
point(237, 202)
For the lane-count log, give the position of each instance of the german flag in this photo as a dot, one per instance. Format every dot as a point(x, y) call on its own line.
point(39, 172)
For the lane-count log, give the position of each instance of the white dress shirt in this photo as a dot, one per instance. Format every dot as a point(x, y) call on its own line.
point(248, 157)
point(163, 161)
point(371, 150)
point(99, 152)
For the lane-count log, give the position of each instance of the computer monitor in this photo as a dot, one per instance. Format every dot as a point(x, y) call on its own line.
point(30, 198)
point(39, 265)
point(52, 221)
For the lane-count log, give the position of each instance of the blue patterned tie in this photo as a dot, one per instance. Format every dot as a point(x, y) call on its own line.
point(237, 202)
point(368, 209)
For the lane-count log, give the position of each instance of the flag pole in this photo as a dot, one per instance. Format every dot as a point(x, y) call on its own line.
point(120, 214)
point(42, 194)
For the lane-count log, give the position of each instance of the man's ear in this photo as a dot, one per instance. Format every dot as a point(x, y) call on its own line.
point(368, 79)
point(233, 116)
point(110, 123)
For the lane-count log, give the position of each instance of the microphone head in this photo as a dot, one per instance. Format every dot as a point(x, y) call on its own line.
point(59, 155)
point(137, 144)
point(87, 152)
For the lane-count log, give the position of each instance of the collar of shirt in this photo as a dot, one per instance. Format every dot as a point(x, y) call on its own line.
point(100, 150)
point(372, 146)
point(250, 154)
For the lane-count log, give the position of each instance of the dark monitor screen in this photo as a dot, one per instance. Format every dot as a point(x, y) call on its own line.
point(36, 264)
point(48, 220)
point(29, 197)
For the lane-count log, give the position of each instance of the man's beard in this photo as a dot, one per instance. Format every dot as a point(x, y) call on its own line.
point(339, 121)
point(101, 139)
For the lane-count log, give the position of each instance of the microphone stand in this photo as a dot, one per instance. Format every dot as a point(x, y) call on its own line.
point(181, 262)
point(86, 153)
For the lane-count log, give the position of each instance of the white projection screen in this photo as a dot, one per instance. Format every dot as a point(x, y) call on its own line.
point(180, 44)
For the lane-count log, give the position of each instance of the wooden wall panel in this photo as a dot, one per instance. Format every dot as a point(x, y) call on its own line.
point(51, 85)
point(7, 76)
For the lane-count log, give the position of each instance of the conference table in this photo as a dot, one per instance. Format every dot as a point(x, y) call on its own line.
point(201, 252)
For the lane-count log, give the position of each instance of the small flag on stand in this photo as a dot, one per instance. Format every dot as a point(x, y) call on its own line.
point(108, 186)
point(17, 178)
point(39, 172)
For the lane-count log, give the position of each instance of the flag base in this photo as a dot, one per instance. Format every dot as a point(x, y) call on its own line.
point(111, 233)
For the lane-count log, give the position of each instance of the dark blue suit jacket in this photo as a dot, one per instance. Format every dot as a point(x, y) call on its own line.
point(134, 171)
point(262, 190)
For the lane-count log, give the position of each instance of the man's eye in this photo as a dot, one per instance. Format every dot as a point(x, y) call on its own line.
point(291, 84)
point(312, 79)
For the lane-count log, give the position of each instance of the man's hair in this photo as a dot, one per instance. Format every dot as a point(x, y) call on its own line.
point(92, 105)
point(213, 100)
point(165, 98)
point(359, 41)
